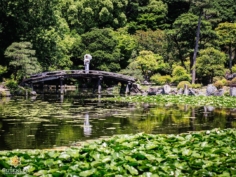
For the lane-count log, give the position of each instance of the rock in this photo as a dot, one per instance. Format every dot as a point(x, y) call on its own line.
point(232, 91)
point(219, 92)
point(136, 88)
point(211, 89)
point(180, 91)
point(152, 91)
point(210, 108)
point(186, 91)
point(192, 92)
point(33, 93)
point(166, 89)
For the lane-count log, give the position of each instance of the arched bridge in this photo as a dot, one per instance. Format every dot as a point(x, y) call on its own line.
point(54, 76)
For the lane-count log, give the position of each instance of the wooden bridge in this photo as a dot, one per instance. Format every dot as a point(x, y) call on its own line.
point(59, 77)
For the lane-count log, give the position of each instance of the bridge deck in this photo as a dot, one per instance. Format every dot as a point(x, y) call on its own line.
point(47, 76)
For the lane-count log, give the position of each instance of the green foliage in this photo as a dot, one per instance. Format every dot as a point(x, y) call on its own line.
point(183, 83)
point(219, 84)
point(146, 15)
point(196, 86)
point(133, 70)
point(150, 40)
point(233, 81)
point(180, 74)
point(209, 63)
point(181, 154)
point(148, 62)
point(227, 35)
point(126, 45)
point(167, 28)
point(234, 69)
point(225, 102)
point(102, 45)
point(161, 80)
point(22, 59)
point(12, 85)
point(2, 71)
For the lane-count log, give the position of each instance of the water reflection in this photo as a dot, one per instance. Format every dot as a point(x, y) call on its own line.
point(49, 121)
point(87, 126)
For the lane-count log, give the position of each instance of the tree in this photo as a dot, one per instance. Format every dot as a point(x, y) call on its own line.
point(209, 64)
point(226, 9)
point(202, 8)
point(181, 39)
point(144, 15)
point(150, 40)
point(101, 14)
point(22, 59)
point(227, 33)
point(126, 44)
point(148, 63)
point(102, 45)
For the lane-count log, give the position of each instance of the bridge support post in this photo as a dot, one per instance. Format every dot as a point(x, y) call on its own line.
point(122, 88)
point(61, 87)
point(99, 84)
point(32, 86)
point(56, 88)
point(42, 86)
point(127, 90)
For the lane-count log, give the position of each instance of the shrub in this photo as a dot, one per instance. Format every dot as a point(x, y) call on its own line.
point(180, 74)
point(183, 83)
point(225, 82)
point(233, 81)
point(219, 84)
point(216, 78)
point(11, 85)
point(196, 86)
point(160, 80)
point(234, 69)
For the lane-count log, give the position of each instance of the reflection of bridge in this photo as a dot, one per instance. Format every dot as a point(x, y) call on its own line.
point(60, 76)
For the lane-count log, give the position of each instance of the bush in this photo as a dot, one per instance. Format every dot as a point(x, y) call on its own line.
point(160, 80)
point(234, 69)
point(225, 82)
point(11, 85)
point(196, 86)
point(219, 84)
point(233, 81)
point(217, 78)
point(183, 83)
point(180, 74)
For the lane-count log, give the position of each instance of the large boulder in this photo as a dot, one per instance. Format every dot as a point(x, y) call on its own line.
point(152, 91)
point(232, 91)
point(166, 89)
point(219, 92)
point(186, 90)
point(210, 90)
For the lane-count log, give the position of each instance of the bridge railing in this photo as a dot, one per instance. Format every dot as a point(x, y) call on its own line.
point(73, 73)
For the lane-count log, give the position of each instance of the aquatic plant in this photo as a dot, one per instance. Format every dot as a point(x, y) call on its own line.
point(206, 153)
point(220, 102)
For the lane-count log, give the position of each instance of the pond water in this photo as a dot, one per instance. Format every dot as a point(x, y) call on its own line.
point(49, 121)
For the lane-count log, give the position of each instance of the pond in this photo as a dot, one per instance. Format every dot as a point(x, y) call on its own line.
point(49, 121)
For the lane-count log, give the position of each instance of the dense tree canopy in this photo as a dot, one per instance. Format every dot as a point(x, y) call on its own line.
point(115, 32)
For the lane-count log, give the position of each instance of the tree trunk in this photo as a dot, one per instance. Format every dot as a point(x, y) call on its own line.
point(196, 48)
point(230, 58)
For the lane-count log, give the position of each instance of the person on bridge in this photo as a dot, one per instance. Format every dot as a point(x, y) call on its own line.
point(87, 58)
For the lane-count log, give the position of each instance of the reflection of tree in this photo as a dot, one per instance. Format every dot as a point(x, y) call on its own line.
point(68, 133)
point(19, 135)
point(145, 125)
